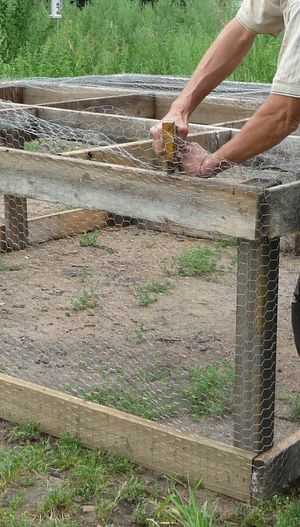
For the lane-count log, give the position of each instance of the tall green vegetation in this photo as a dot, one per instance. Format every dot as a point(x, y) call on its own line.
point(108, 37)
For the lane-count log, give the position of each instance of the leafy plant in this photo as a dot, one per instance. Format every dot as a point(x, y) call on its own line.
point(148, 293)
point(295, 407)
point(197, 262)
point(139, 332)
point(87, 300)
point(90, 239)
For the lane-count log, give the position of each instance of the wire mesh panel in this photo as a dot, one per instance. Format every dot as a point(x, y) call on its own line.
point(139, 288)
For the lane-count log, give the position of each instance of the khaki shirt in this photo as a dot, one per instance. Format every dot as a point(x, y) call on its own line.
point(271, 17)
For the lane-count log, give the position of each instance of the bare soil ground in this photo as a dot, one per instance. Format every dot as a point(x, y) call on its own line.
point(122, 343)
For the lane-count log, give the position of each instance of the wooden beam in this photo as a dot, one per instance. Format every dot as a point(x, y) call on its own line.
point(213, 205)
point(12, 93)
point(66, 223)
point(132, 154)
point(119, 128)
point(222, 468)
point(235, 125)
point(277, 468)
point(256, 336)
point(132, 105)
point(211, 110)
point(56, 91)
point(283, 210)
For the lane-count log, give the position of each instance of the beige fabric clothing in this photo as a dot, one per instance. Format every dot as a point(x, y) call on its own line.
point(271, 17)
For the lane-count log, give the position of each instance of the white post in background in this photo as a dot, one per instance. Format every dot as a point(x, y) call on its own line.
point(56, 6)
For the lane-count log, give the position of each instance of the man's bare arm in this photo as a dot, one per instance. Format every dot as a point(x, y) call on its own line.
point(277, 118)
point(219, 62)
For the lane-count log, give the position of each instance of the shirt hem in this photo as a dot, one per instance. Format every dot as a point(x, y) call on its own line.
point(280, 88)
point(256, 29)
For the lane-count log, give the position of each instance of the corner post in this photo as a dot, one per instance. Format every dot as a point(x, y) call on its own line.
point(256, 338)
point(16, 223)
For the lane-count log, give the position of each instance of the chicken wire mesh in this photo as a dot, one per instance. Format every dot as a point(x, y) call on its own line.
point(138, 312)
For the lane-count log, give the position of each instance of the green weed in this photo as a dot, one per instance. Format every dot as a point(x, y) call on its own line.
point(188, 513)
point(87, 300)
point(223, 242)
point(135, 400)
point(4, 266)
point(57, 501)
point(148, 293)
point(295, 407)
point(2, 368)
point(210, 390)
point(197, 262)
point(90, 239)
point(140, 331)
point(84, 274)
point(26, 432)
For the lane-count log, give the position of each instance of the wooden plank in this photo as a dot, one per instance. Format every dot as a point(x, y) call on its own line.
point(66, 223)
point(119, 128)
point(59, 225)
point(256, 335)
point(12, 93)
point(222, 468)
point(16, 222)
point(132, 105)
point(54, 92)
point(212, 205)
point(284, 210)
point(235, 125)
point(277, 468)
point(210, 111)
point(132, 154)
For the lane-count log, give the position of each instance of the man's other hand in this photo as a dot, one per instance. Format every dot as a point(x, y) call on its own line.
point(196, 161)
point(156, 131)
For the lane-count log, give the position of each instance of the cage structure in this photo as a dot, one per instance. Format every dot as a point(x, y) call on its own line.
point(250, 204)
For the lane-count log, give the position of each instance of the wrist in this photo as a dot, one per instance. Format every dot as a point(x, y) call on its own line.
point(181, 108)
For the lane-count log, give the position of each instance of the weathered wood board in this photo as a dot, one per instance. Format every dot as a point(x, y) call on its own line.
point(222, 468)
point(218, 206)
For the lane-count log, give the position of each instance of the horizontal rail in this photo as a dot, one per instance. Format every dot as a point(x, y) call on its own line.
point(212, 205)
point(222, 468)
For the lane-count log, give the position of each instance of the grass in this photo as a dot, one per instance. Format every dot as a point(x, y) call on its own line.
point(197, 262)
point(210, 390)
point(90, 239)
point(87, 300)
point(26, 432)
point(148, 293)
point(4, 266)
point(186, 512)
point(113, 489)
point(125, 38)
point(139, 332)
point(141, 401)
point(295, 408)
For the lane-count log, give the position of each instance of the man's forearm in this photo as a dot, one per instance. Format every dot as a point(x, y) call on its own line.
point(276, 119)
point(219, 62)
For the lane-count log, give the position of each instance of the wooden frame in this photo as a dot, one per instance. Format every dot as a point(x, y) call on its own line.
point(99, 179)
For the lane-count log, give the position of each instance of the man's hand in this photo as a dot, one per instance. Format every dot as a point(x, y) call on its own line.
point(196, 161)
point(156, 131)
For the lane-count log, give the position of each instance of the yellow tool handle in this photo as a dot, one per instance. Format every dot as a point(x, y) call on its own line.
point(169, 134)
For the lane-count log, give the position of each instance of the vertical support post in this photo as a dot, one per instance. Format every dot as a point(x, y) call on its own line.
point(16, 222)
point(256, 338)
